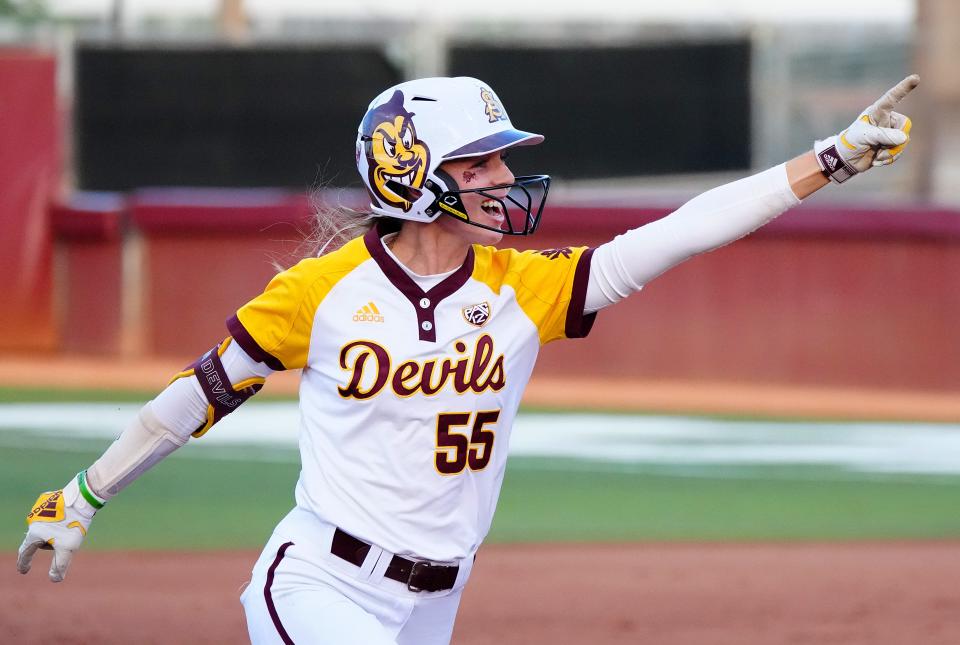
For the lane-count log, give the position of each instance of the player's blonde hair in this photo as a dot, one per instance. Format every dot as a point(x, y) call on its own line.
point(335, 224)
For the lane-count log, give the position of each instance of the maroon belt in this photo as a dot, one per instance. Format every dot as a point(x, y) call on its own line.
point(418, 576)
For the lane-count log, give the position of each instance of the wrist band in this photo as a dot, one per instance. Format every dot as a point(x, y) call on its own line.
point(833, 165)
point(88, 495)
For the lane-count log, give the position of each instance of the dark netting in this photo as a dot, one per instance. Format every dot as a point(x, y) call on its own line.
point(621, 111)
point(222, 116)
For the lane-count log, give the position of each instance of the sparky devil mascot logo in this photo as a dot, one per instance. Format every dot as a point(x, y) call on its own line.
point(397, 161)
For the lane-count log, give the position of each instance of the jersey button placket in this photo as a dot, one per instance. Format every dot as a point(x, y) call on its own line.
point(425, 318)
point(426, 321)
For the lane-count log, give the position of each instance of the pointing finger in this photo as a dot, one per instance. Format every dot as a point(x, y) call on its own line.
point(894, 95)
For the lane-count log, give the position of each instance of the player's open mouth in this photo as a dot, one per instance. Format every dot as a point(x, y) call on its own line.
point(492, 208)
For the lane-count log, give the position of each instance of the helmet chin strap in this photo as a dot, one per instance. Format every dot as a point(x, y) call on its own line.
point(447, 196)
point(448, 202)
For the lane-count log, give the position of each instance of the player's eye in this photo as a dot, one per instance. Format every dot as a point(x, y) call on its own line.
point(504, 154)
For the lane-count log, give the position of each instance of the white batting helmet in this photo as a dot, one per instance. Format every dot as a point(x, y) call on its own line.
point(412, 128)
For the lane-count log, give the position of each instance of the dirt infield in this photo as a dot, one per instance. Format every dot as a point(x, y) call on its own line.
point(719, 594)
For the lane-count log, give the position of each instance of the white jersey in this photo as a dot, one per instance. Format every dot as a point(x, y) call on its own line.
point(408, 397)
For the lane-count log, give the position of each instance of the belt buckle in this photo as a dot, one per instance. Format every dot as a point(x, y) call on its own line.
point(418, 566)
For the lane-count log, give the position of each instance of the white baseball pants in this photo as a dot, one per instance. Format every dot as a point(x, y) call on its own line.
point(301, 593)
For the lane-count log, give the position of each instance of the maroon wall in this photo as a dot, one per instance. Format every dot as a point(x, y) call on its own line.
point(821, 296)
point(812, 311)
point(29, 176)
point(89, 272)
point(206, 253)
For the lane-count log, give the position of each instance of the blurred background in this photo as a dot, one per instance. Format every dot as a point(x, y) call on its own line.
point(159, 159)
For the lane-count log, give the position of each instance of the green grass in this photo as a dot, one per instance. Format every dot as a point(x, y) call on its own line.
point(549, 499)
point(192, 501)
point(184, 503)
point(44, 395)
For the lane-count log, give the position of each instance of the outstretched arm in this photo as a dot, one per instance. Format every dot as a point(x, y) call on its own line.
point(805, 176)
point(727, 213)
point(189, 406)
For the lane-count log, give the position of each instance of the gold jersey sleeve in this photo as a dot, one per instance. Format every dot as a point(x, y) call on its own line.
point(550, 286)
point(276, 326)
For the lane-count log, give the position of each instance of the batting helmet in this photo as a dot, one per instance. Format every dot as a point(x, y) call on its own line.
point(412, 128)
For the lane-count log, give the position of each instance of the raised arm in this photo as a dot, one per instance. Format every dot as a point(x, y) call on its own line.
point(197, 398)
point(725, 214)
point(804, 175)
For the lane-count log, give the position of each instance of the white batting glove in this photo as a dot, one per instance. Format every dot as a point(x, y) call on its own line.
point(59, 521)
point(876, 138)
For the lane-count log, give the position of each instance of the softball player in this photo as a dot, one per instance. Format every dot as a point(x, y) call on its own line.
point(416, 340)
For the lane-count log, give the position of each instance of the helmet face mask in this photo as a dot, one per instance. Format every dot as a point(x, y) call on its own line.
point(527, 194)
point(411, 129)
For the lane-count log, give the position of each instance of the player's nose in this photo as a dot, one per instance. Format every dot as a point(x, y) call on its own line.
point(503, 174)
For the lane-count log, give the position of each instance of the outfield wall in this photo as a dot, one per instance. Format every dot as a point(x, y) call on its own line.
point(823, 295)
point(30, 167)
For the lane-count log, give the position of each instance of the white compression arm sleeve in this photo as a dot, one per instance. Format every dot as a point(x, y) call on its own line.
point(182, 407)
point(163, 425)
point(708, 221)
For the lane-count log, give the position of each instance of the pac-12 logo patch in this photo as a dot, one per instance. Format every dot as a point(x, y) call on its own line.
point(478, 314)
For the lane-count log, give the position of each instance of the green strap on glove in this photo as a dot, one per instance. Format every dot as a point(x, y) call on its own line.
point(88, 495)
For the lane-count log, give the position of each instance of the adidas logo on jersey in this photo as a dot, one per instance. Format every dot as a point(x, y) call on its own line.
point(368, 313)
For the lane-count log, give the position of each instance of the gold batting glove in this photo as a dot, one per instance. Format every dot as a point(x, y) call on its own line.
point(58, 522)
point(877, 138)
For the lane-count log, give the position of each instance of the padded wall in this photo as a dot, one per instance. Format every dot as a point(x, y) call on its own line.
point(29, 176)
